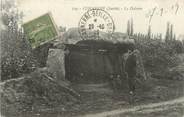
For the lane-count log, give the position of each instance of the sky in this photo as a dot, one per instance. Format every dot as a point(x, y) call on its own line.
point(67, 13)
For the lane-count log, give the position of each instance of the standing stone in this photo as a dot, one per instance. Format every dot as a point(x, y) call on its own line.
point(55, 63)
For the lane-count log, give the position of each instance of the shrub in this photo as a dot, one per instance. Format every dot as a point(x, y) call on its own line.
point(16, 53)
point(158, 56)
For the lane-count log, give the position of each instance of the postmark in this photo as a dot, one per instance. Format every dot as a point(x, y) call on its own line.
point(95, 21)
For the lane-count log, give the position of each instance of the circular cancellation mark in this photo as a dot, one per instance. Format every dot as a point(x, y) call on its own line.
point(95, 21)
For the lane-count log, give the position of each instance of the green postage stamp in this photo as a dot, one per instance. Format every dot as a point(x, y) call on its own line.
point(40, 30)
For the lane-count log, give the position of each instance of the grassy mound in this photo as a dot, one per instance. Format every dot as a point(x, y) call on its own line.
point(31, 93)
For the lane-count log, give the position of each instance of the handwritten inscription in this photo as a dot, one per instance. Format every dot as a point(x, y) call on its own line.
point(161, 11)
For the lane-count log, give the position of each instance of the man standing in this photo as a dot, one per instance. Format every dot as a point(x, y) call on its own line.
point(130, 70)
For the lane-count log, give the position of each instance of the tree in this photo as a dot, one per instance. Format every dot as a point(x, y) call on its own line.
point(15, 49)
point(167, 32)
point(149, 32)
point(128, 28)
point(171, 32)
point(131, 28)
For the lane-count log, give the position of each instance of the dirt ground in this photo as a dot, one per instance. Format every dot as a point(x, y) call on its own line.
point(175, 111)
point(97, 98)
point(105, 99)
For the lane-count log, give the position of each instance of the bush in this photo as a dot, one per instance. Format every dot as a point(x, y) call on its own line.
point(158, 56)
point(16, 53)
point(16, 56)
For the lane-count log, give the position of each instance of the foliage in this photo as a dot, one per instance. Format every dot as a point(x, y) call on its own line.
point(130, 27)
point(159, 55)
point(155, 52)
point(16, 55)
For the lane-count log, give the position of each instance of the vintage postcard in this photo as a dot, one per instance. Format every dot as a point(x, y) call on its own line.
point(92, 58)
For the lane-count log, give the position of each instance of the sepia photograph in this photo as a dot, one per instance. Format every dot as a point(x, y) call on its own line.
point(92, 58)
